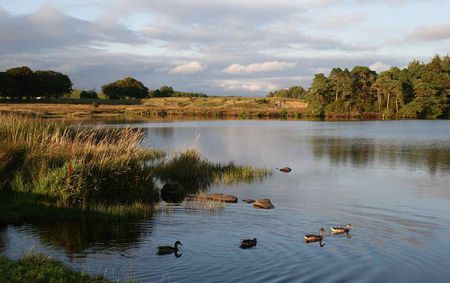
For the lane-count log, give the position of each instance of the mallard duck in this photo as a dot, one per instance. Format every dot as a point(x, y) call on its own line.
point(314, 238)
point(340, 230)
point(245, 244)
point(163, 250)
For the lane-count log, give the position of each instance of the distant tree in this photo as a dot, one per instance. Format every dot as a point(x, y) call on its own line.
point(7, 85)
point(389, 92)
point(364, 96)
point(51, 84)
point(427, 103)
point(293, 92)
point(125, 88)
point(90, 94)
point(320, 94)
point(26, 85)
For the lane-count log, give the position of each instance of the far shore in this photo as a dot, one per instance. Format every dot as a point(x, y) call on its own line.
point(210, 107)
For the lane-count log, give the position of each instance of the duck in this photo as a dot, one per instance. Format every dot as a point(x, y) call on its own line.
point(314, 238)
point(340, 230)
point(249, 243)
point(163, 250)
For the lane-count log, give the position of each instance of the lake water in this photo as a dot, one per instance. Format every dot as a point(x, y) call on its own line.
point(390, 179)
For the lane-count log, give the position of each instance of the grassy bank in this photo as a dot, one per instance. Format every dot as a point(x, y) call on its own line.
point(55, 170)
point(212, 107)
point(39, 268)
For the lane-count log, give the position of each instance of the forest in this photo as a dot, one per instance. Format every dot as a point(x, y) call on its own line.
point(420, 90)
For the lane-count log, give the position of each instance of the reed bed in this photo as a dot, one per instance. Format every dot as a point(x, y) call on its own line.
point(57, 165)
point(198, 174)
point(75, 166)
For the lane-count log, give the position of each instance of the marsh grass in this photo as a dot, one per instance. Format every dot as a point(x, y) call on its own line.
point(75, 166)
point(198, 174)
point(52, 168)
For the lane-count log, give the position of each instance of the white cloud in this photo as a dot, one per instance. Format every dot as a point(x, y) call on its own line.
point(437, 32)
point(189, 68)
point(251, 86)
point(258, 67)
point(379, 67)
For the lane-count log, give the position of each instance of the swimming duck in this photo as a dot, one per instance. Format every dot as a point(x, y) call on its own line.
point(314, 238)
point(249, 243)
point(163, 250)
point(340, 230)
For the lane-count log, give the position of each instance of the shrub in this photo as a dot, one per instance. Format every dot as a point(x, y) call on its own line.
point(90, 94)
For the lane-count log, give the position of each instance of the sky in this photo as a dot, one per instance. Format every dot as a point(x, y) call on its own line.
point(219, 47)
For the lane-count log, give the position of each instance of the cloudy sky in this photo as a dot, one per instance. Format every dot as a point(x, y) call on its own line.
point(220, 47)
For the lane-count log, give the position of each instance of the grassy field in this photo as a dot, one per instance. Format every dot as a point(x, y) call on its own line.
point(39, 268)
point(212, 107)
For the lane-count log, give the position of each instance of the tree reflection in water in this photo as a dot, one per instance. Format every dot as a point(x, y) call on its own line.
point(77, 238)
point(434, 158)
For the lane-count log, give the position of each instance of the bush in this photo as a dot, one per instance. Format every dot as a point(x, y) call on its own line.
point(90, 94)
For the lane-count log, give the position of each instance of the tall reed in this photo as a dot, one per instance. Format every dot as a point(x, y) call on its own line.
point(77, 166)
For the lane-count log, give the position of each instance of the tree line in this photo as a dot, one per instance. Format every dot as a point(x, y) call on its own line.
point(132, 88)
point(421, 90)
point(23, 83)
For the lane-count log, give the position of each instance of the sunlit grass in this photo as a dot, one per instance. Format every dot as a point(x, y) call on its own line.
point(40, 268)
point(196, 173)
point(76, 166)
point(104, 172)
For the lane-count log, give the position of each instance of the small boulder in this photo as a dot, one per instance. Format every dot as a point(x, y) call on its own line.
point(285, 169)
point(173, 192)
point(264, 203)
point(248, 200)
point(218, 197)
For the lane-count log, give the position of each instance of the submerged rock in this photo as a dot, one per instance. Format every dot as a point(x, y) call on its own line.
point(285, 169)
point(263, 203)
point(248, 200)
point(173, 192)
point(218, 197)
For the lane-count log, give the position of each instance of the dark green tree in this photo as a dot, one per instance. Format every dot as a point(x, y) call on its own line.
point(26, 85)
point(7, 85)
point(52, 84)
point(125, 88)
point(320, 94)
point(90, 94)
point(364, 96)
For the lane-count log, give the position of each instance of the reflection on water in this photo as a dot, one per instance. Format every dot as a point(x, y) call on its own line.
point(389, 179)
point(362, 152)
point(75, 238)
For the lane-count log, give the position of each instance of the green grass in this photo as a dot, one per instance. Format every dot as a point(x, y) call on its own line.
point(75, 166)
point(39, 268)
point(198, 174)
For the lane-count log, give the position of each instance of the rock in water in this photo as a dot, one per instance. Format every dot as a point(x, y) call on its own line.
point(173, 192)
point(218, 197)
point(285, 169)
point(263, 203)
point(248, 200)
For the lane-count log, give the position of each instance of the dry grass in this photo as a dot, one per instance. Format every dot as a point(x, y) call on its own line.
point(216, 107)
point(76, 166)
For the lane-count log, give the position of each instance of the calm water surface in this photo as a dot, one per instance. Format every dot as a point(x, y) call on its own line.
point(390, 179)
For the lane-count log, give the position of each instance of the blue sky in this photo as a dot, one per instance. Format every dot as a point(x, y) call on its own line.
point(222, 47)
